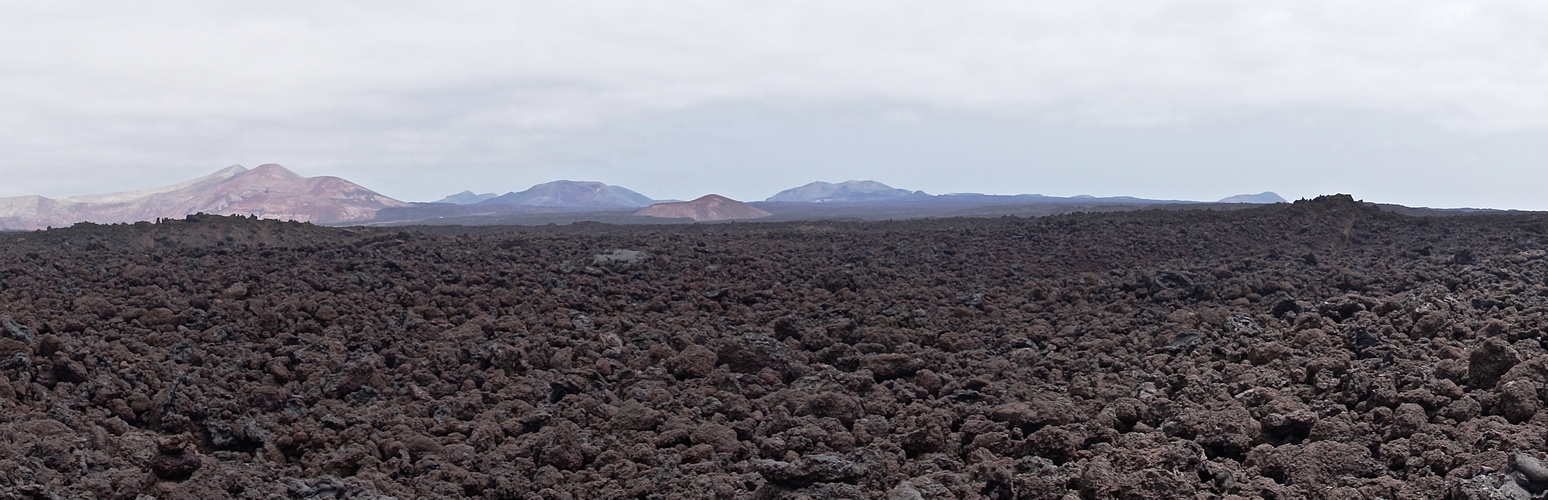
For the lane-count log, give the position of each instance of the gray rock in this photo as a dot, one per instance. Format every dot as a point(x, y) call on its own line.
point(1486, 487)
point(329, 486)
point(20, 360)
point(904, 491)
point(819, 468)
point(1184, 341)
point(322, 487)
point(1513, 491)
point(18, 331)
point(221, 435)
point(619, 256)
point(1529, 467)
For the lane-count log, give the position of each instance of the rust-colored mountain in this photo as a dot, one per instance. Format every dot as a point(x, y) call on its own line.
point(707, 208)
point(269, 191)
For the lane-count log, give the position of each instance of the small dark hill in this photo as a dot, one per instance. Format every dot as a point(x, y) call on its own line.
point(711, 207)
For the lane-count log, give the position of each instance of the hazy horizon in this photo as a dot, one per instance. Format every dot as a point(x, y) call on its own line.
point(1437, 104)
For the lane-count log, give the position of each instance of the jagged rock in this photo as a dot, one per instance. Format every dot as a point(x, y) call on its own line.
point(619, 256)
point(18, 331)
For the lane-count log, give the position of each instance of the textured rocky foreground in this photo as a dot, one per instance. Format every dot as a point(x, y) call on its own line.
point(1317, 350)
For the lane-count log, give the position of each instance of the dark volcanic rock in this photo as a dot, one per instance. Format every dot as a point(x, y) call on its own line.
point(1154, 354)
point(1318, 463)
point(753, 352)
point(1518, 400)
point(173, 462)
point(695, 361)
point(1225, 430)
point(1489, 361)
point(890, 366)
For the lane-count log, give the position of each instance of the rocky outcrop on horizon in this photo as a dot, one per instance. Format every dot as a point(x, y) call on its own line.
point(269, 191)
point(573, 194)
point(711, 207)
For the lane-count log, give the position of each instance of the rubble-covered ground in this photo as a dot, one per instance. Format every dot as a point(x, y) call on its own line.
point(1322, 349)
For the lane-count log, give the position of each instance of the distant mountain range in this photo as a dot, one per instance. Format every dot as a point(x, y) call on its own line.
point(580, 195)
point(877, 193)
point(269, 191)
point(854, 199)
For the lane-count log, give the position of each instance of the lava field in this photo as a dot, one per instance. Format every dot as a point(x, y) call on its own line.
point(1321, 349)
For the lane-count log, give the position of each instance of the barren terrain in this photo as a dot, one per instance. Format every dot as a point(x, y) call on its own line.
point(1324, 349)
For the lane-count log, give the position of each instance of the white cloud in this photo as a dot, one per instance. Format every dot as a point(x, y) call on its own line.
point(175, 88)
point(560, 64)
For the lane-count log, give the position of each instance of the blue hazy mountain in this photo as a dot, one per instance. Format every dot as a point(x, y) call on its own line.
point(877, 193)
point(1263, 197)
point(573, 194)
point(845, 192)
point(465, 198)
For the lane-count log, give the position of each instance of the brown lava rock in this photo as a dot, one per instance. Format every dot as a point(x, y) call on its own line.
point(1489, 361)
point(173, 462)
point(694, 362)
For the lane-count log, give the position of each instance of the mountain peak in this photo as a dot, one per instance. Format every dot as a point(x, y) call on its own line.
point(573, 194)
point(850, 191)
point(274, 170)
point(866, 185)
point(566, 182)
point(269, 191)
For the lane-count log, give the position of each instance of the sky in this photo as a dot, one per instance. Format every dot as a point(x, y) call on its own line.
point(1424, 103)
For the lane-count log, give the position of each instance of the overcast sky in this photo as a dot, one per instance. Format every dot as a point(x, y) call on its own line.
point(1415, 102)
